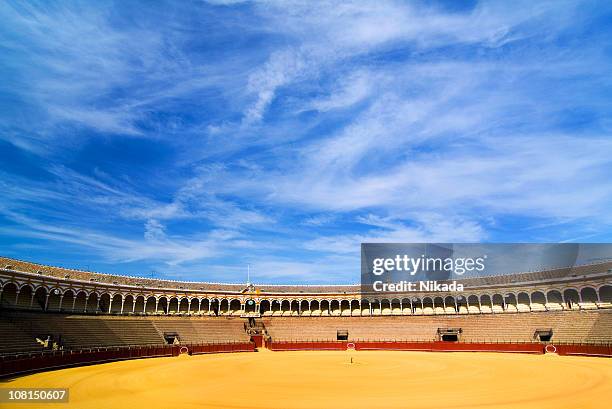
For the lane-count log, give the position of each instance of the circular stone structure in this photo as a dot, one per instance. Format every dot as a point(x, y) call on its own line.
point(328, 379)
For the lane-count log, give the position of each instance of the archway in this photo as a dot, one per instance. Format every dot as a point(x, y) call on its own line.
point(184, 305)
point(485, 304)
point(335, 307)
point(129, 306)
point(265, 308)
point(139, 306)
point(572, 298)
point(250, 306)
point(115, 306)
point(92, 303)
point(150, 305)
point(589, 298)
point(605, 296)
point(396, 307)
point(25, 297)
point(449, 305)
point(173, 306)
point(538, 301)
point(315, 308)
point(428, 306)
point(162, 306)
point(498, 303)
point(511, 303)
point(355, 308)
point(554, 300)
point(305, 308)
point(524, 303)
point(325, 308)
point(80, 302)
point(345, 308)
point(67, 301)
point(9, 296)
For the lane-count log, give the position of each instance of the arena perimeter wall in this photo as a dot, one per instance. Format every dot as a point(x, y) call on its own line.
point(33, 362)
point(530, 348)
point(24, 363)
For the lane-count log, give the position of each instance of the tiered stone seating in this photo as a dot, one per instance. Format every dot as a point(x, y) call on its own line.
point(14, 339)
point(575, 326)
point(74, 331)
point(83, 331)
point(197, 330)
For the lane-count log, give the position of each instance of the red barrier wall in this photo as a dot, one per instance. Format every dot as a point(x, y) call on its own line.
point(533, 348)
point(217, 348)
point(307, 345)
point(258, 340)
point(16, 364)
point(588, 350)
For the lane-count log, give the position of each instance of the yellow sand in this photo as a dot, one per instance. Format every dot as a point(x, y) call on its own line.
point(382, 379)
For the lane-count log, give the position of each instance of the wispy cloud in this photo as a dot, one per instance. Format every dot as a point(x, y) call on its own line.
point(202, 136)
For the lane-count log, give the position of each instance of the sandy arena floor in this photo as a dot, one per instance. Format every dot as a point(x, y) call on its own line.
point(328, 380)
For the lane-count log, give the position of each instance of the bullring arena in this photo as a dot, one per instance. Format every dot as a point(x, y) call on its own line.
point(530, 340)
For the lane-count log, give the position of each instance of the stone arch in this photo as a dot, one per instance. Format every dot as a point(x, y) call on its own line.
point(315, 307)
point(194, 305)
point(365, 307)
point(25, 296)
point(538, 301)
point(554, 300)
point(438, 305)
point(473, 303)
point(215, 305)
point(486, 303)
point(450, 305)
point(396, 307)
point(67, 301)
point(80, 302)
point(55, 299)
point(265, 307)
point(224, 306)
point(406, 306)
point(92, 302)
point(335, 307)
point(173, 305)
point(116, 304)
point(605, 294)
point(276, 307)
point(524, 302)
point(129, 304)
point(497, 302)
point(417, 305)
point(376, 307)
point(462, 307)
point(250, 305)
point(385, 307)
point(150, 305)
point(325, 307)
point(295, 307)
point(285, 307)
point(9, 295)
point(305, 307)
point(572, 298)
point(355, 308)
point(588, 295)
point(162, 305)
point(345, 308)
point(511, 302)
point(139, 304)
point(428, 306)
point(184, 305)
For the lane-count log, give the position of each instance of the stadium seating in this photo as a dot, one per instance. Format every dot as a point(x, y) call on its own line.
point(578, 326)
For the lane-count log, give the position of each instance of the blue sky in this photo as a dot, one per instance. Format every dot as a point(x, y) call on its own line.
point(184, 140)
